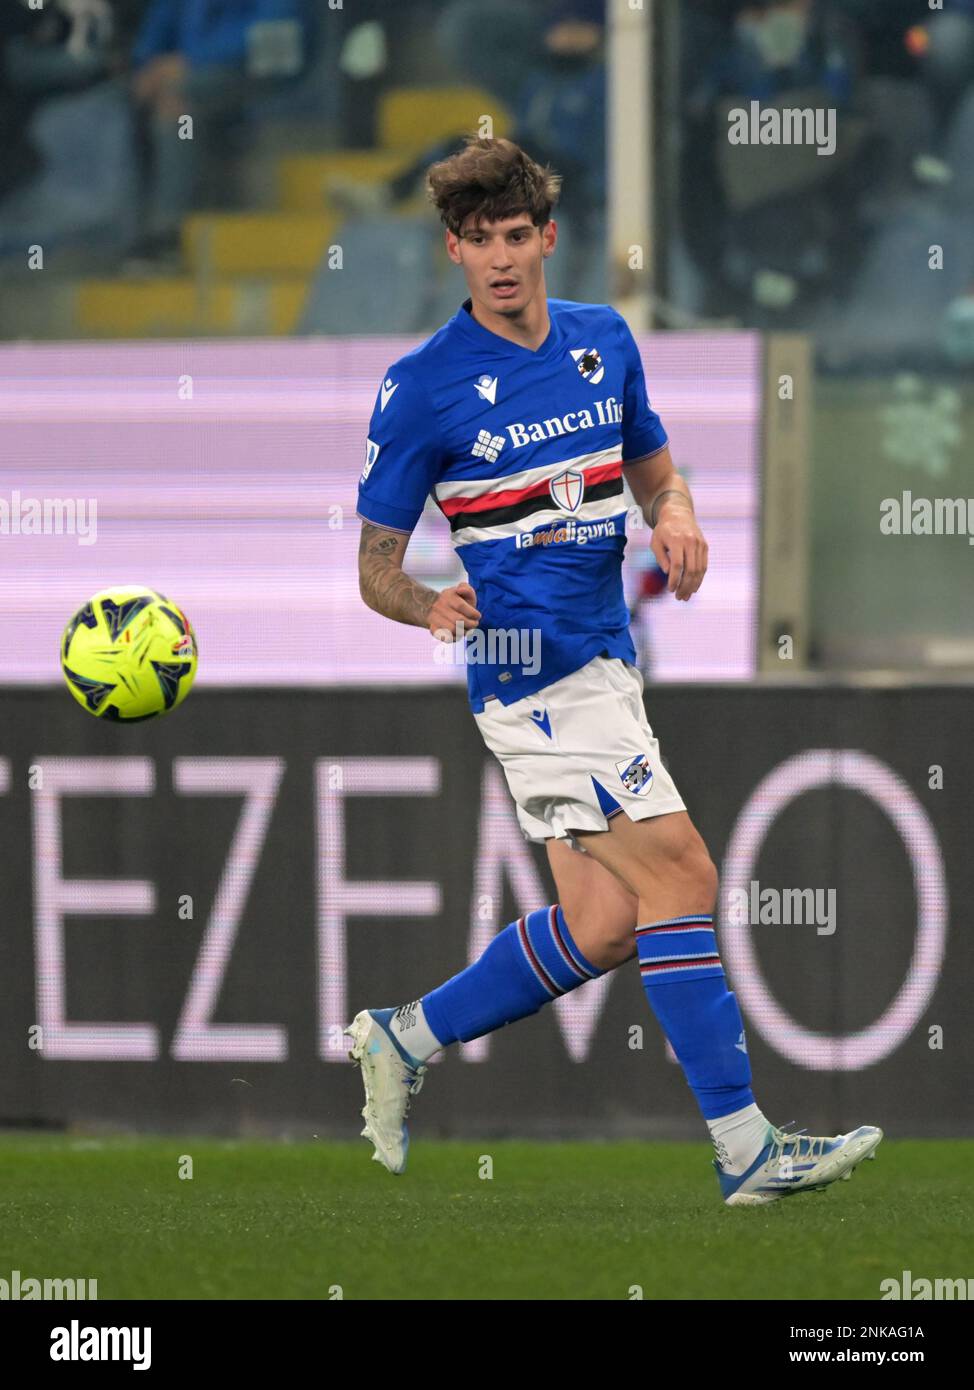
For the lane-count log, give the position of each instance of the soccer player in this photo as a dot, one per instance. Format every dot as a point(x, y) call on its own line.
point(519, 416)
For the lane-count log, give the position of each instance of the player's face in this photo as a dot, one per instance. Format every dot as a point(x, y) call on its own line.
point(503, 261)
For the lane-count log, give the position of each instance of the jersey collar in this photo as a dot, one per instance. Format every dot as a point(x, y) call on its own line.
point(468, 325)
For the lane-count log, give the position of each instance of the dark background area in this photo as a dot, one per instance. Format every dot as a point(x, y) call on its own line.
point(720, 742)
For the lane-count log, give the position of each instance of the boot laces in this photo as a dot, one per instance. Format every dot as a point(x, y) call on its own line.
point(413, 1081)
point(806, 1146)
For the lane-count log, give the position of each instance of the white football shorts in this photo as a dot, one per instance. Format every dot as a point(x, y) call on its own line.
point(580, 751)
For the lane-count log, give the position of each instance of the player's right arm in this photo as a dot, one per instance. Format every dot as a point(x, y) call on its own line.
point(404, 458)
point(387, 589)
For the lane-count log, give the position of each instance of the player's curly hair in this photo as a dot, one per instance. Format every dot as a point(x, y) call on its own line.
point(494, 179)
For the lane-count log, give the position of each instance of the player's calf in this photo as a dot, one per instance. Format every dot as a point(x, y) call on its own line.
point(531, 962)
point(600, 912)
point(666, 863)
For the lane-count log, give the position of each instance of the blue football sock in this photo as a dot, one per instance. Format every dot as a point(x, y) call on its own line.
point(529, 963)
point(687, 990)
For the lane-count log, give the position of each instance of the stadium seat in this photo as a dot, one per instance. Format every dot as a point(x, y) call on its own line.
point(179, 305)
point(303, 178)
point(590, 272)
point(262, 243)
point(383, 284)
point(449, 290)
point(558, 268)
point(87, 186)
point(413, 118)
point(578, 268)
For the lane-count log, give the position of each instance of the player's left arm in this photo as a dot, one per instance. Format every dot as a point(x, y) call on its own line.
point(678, 542)
point(663, 495)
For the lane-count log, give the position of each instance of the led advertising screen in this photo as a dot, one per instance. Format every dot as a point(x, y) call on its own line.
point(224, 474)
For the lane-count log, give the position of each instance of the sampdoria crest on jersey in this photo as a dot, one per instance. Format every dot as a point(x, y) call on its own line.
point(635, 773)
point(589, 364)
point(567, 489)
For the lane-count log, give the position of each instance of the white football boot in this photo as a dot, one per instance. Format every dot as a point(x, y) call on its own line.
point(390, 1084)
point(791, 1163)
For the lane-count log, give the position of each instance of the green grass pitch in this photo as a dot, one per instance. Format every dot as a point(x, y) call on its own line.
point(559, 1220)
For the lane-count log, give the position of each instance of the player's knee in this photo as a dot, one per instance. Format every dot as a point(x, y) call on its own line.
point(614, 947)
point(696, 873)
point(618, 942)
point(703, 873)
point(604, 939)
point(684, 866)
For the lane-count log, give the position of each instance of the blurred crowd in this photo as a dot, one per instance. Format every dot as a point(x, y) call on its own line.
point(765, 236)
point(842, 246)
point(545, 65)
point(89, 94)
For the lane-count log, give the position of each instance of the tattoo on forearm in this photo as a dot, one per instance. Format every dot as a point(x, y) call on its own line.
point(384, 586)
point(382, 544)
point(391, 592)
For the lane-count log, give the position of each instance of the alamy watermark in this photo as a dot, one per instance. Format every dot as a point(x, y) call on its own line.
point(49, 516)
point(916, 1290)
point(78, 1343)
point(24, 1288)
point(493, 646)
point(756, 906)
point(907, 515)
point(792, 125)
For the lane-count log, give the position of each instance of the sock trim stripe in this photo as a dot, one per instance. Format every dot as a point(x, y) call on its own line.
point(683, 917)
point(682, 955)
point(668, 931)
point(653, 968)
point(564, 948)
point(698, 922)
point(532, 959)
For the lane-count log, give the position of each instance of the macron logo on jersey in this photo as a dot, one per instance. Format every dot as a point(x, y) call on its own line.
point(386, 392)
point(540, 717)
point(486, 388)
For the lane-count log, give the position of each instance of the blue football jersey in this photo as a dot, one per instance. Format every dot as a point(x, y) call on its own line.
point(523, 454)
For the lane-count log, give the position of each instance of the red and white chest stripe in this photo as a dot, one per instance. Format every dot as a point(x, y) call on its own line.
point(588, 488)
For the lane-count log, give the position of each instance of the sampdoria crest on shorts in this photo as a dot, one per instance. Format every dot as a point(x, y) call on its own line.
point(635, 773)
